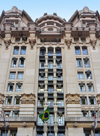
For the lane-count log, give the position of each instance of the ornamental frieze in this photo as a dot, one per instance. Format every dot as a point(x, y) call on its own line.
point(2, 97)
point(72, 99)
point(28, 99)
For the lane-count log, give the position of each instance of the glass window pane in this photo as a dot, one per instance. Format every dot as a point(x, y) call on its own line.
point(16, 51)
point(23, 50)
point(12, 75)
point(84, 50)
point(20, 75)
point(80, 75)
point(79, 62)
point(77, 51)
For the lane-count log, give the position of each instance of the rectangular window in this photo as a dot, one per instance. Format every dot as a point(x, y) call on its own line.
point(61, 134)
point(19, 87)
point(17, 100)
point(42, 65)
point(20, 75)
point(84, 50)
point(17, 39)
point(41, 89)
point(59, 78)
point(10, 87)
point(15, 113)
point(7, 113)
point(16, 50)
point(80, 75)
point(93, 113)
point(22, 62)
point(85, 113)
point(79, 62)
point(86, 62)
point(39, 121)
point(87, 132)
point(88, 74)
point(92, 100)
point(82, 87)
point(23, 50)
point(50, 103)
point(14, 62)
point(41, 78)
point(83, 39)
point(50, 77)
point(50, 89)
point(83, 100)
point(51, 120)
point(9, 100)
point(60, 102)
point(3, 133)
point(40, 103)
point(50, 65)
point(59, 65)
point(60, 119)
point(12, 75)
point(90, 87)
point(76, 39)
point(13, 133)
point(77, 50)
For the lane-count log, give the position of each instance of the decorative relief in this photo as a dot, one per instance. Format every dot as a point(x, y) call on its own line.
point(68, 42)
point(7, 42)
point(32, 42)
point(72, 98)
point(93, 42)
point(98, 98)
point(28, 99)
point(2, 97)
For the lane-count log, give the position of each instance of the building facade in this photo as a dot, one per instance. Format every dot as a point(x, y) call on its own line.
point(49, 62)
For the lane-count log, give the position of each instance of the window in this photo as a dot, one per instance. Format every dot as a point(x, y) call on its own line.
point(23, 50)
point(17, 39)
point(22, 62)
point(15, 113)
point(82, 87)
point(50, 77)
point(92, 100)
point(80, 75)
point(90, 87)
point(7, 113)
point(50, 64)
point(60, 102)
point(50, 51)
point(24, 38)
point(50, 103)
point(14, 62)
point(51, 120)
point(19, 87)
point(88, 74)
point(40, 134)
point(39, 122)
point(3, 133)
point(83, 39)
point(41, 78)
point(42, 51)
point(12, 75)
point(86, 62)
point(85, 113)
point(58, 51)
point(97, 132)
point(50, 89)
point(87, 132)
point(79, 62)
point(93, 113)
point(50, 134)
point(13, 133)
point(83, 100)
point(59, 65)
point(42, 64)
point(84, 50)
point(41, 102)
point(9, 100)
point(59, 78)
point(17, 100)
point(60, 119)
point(77, 50)
point(10, 87)
point(76, 39)
point(61, 134)
point(20, 75)
point(16, 50)
point(59, 89)
point(41, 89)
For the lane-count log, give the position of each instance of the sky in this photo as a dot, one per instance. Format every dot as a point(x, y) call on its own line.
point(63, 8)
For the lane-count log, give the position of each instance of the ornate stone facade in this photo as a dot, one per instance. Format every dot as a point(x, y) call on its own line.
point(72, 99)
point(27, 99)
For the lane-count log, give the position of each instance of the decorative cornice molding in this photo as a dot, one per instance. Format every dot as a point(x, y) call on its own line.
point(72, 98)
point(7, 42)
point(2, 97)
point(68, 42)
point(32, 42)
point(28, 99)
point(98, 98)
point(93, 42)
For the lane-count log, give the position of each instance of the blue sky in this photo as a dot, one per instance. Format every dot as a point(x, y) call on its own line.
point(63, 8)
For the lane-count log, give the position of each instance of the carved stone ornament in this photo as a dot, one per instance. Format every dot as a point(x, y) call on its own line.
point(7, 42)
point(28, 99)
point(2, 97)
point(98, 98)
point(32, 42)
point(93, 42)
point(72, 98)
point(68, 42)
point(24, 124)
